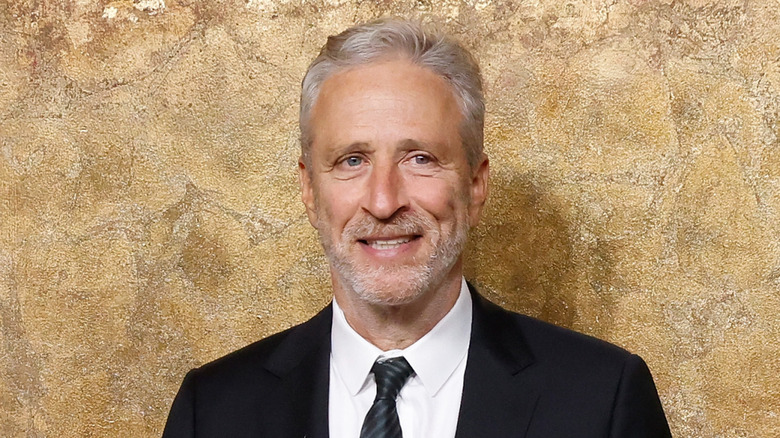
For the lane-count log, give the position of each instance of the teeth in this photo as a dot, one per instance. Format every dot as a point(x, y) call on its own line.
point(388, 244)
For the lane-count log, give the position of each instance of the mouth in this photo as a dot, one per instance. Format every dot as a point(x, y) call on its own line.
point(383, 244)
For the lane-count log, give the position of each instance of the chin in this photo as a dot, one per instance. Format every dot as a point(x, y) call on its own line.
point(395, 291)
point(391, 288)
point(395, 285)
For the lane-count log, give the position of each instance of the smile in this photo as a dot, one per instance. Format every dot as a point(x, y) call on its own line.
point(385, 244)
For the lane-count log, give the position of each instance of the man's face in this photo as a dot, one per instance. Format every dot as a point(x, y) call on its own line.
point(388, 185)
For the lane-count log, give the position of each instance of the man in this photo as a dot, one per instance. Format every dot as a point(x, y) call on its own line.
point(393, 176)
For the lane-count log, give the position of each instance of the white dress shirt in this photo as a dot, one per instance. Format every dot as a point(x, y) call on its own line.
point(429, 403)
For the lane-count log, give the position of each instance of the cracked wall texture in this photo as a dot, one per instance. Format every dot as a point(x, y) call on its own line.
point(150, 219)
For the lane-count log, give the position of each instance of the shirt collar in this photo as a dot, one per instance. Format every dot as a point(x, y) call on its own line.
point(433, 357)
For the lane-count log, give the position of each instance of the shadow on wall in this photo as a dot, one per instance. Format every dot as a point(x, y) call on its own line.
point(521, 254)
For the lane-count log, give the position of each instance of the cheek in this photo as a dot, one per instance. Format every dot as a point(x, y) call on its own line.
point(438, 198)
point(337, 203)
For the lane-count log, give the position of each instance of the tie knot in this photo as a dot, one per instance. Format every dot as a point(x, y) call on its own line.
point(391, 375)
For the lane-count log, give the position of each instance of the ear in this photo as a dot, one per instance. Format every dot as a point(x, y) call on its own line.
point(479, 189)
point(307, 192)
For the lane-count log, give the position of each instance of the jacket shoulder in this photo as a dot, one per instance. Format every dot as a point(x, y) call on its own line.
point(275, 354)
point(543, 339)
point(549, 340)
point(578, 382)
point(262, 389)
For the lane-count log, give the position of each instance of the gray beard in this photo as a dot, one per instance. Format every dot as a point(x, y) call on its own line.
point(395, 285)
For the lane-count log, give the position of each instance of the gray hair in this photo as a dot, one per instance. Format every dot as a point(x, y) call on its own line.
point(377, 40)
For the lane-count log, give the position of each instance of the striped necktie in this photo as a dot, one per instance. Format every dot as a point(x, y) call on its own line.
point(382, 419)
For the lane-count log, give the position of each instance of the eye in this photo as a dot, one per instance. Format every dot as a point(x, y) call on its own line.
point(422, 159)
point(353, 161)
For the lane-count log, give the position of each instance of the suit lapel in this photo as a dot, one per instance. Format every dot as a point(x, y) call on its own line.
point(496, 396)
point(302, 362)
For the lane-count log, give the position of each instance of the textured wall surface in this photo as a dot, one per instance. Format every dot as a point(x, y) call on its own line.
point(150, 219)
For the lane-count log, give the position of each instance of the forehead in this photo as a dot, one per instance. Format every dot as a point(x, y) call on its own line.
point(386, 98)
point(387, 71)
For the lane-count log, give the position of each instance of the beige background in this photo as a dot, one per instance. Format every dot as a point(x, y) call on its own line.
point(150, 219)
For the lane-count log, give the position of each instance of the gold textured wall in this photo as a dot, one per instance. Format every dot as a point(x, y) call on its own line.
point(150, 219)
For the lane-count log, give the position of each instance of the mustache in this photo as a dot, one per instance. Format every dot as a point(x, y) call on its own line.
point(406, 223)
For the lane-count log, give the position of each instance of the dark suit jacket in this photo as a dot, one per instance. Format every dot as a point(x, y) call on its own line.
point(524, 378)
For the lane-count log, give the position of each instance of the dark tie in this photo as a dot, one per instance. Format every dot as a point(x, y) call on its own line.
point(382, 419)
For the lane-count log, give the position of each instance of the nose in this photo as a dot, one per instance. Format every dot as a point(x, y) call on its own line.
point(386, 193)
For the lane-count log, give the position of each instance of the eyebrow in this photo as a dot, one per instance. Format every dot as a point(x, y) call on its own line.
point(409, 143)
point(405, 145)
point(341, 150)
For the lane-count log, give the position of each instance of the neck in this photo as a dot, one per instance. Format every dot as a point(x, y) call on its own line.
point(397, 326)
